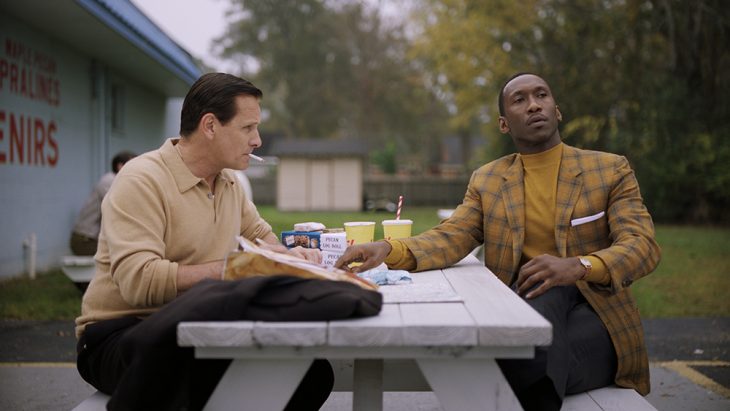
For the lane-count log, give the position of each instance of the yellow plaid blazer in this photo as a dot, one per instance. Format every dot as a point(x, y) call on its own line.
point(493, 214)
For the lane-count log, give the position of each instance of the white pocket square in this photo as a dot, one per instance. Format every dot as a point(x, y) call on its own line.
point(583, 220)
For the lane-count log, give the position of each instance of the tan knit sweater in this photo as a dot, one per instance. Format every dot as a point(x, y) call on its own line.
point(157, 215)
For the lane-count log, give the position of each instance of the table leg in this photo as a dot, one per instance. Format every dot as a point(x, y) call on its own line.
point(258, 384)
point(469, 384)
point(367, 387)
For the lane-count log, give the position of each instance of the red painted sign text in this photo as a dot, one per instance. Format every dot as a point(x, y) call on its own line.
point(25, 138)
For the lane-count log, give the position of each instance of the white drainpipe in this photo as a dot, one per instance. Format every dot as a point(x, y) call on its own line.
point(31, 246)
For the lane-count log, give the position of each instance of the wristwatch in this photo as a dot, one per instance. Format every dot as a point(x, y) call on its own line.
point(587, 265)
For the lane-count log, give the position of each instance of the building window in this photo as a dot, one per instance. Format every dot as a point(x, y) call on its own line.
point(118, 103)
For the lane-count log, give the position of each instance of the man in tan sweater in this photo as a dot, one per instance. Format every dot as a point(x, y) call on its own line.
point(565, 228)
point(168, 221)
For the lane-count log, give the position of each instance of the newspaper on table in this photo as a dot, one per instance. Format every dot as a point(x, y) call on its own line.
point(252, 261)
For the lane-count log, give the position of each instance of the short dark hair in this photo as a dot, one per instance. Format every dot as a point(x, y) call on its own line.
point(500, 101)
point(213, 93)
point(121, 158)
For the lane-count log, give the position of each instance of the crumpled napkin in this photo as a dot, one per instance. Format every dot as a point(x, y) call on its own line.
point(381, 275)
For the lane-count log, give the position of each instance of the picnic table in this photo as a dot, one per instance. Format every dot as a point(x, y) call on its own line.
point(442, 332)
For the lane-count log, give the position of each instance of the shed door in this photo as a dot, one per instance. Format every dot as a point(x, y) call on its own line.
point(347, 184)
point(320, 184)
point(293, 185)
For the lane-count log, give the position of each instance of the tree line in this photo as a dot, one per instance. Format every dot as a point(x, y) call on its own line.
point(648, 79)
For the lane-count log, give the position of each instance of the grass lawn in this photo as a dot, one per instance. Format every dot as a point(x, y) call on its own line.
point(692, 279)
point(51, 296)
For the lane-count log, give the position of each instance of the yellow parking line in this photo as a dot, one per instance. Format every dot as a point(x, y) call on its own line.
point(706, 363)
point(684, 369)
point(38, 364)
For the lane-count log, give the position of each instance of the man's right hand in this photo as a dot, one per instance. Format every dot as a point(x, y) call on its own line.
point(271, 243)
point(370, 255)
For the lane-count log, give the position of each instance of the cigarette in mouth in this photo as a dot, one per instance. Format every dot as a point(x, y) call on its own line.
point(255, 157)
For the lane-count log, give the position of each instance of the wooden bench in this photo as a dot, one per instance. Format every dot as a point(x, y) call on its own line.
point(606, 399)
point(79, 269)
point(97, 402)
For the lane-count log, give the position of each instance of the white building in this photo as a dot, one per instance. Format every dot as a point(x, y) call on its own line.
point(79, 81)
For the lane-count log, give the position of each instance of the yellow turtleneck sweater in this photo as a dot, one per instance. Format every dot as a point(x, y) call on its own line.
point(541, 183)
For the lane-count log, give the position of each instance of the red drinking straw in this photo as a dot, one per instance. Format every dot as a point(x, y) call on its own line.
point(400, 205)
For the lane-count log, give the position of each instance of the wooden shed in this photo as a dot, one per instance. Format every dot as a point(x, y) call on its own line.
point(319, 175)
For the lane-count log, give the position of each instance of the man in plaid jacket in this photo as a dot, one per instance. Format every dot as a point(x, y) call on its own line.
point(565, 228)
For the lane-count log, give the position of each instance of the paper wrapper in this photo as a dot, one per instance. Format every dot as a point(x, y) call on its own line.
point(255, 261)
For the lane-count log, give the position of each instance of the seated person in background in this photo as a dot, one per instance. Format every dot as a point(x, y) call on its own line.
point(85, 234)
point(566, 229)
point(170, 219)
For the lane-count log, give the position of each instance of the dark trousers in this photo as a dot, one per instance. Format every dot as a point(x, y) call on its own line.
point(83, 245)
point(580, 358)
point(138, 361)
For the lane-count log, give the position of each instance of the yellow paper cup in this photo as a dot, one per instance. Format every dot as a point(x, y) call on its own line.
point(393, 229)
point(360, 232)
